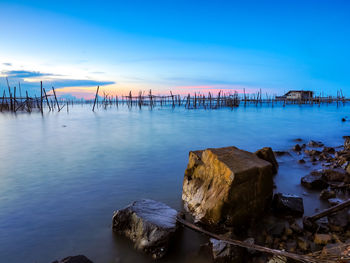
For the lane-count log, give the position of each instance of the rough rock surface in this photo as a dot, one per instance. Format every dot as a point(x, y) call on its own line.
point(74, 259)
point(314, 180)
point(288, 204)
point(149, 224)
point(223, 252)
point(267, 154)
point(226, 185)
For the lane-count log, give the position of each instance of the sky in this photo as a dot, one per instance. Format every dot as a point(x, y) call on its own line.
point(179, 46)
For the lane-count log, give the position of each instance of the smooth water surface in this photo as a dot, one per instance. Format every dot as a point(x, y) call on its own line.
point(63, 174)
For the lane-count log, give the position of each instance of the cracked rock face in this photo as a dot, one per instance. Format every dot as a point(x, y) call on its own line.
point(149, 224)
point(226, 185)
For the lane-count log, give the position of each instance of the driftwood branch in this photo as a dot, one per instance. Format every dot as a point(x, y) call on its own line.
point(299, 258)
point(329, 211)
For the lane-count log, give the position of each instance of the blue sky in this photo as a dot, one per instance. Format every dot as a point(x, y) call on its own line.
point(184, 46)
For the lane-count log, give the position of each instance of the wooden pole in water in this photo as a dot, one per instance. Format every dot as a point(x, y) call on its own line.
point(47, 100)
point(41, 96)
point(54, 93)
point(93, 108)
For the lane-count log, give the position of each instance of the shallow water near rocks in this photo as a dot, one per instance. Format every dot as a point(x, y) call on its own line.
point(63, 174)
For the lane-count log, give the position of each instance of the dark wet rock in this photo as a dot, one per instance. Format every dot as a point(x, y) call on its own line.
point(315, 180)
point(298, 140)
point(335, 201)
point(301, 161)
point(312, 153)
point(335, 175)
point(223, 252)
point(343, 119)
point(267, 154)
point(149, 224)
point(315, 144)
point(327, 194)
point(288, 204)
point(338, 221)
point(329, 150)
point(226, 185)
point(74, 259)
point(297, 148)
point(281, 153)
point(276, 229)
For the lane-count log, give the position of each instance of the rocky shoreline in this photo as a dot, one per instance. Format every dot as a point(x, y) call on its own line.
point(230, 192)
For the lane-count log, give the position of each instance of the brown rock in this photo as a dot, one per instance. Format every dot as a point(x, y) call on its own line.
point(303, 243)
point(322, 239)
point(267, 154)
point(226, 185)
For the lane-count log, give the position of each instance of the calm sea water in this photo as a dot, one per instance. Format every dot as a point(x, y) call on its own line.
point(63, 174)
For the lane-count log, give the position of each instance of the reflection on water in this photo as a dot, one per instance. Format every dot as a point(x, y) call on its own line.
point(63, 175)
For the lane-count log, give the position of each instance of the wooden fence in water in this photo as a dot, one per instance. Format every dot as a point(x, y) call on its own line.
point(14, 101)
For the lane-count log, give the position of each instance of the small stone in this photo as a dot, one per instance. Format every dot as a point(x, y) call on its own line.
point(315, 144)
point(278, 259)
point(223, 252)
point(296, 228)
point(322, 239)
point(303, 243)
point(327, 194)
point(297, 148)
point(329, 150)
point(343, 119)
point(277, 229)
point(301, 161)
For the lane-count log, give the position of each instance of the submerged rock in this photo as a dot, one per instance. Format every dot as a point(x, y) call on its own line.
point(297, 148)
point(267, 154)
point(74, 259)
point(288, 204)
point(315, 144)
point(315, 180)
point(149, 224)
point(226, 185)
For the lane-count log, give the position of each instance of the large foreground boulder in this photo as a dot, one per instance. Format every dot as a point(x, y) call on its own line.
point(226, 185)
point(149, 224)
point(74, 259)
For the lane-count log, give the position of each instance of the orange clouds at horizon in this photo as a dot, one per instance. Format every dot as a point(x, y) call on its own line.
point(112, 90)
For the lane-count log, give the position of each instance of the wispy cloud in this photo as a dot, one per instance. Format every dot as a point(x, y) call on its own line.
point(7, 64)
point(24, 74)
point(30, 81)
